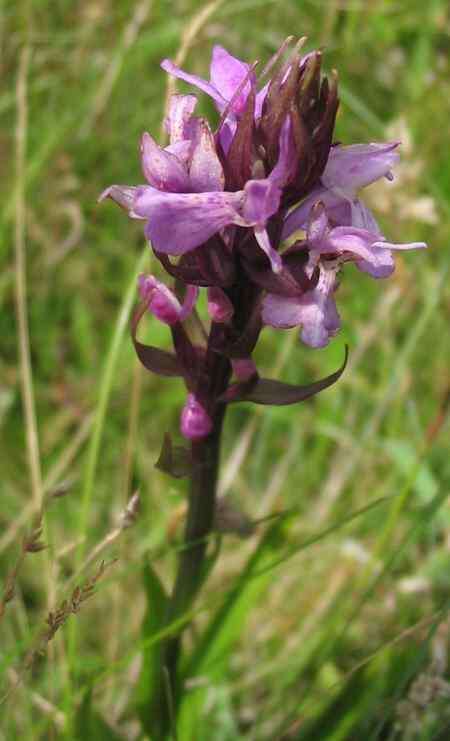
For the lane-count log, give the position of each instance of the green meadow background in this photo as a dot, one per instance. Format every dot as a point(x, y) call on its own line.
point(330, 621)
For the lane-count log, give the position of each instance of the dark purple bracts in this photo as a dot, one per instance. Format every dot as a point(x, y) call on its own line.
point(263, 212)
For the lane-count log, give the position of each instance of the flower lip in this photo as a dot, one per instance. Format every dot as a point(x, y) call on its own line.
point(350, 168)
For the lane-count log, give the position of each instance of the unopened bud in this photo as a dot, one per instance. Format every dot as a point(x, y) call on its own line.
point(163, 303)
point(220, 308)
point(243, 368)
point(195, 421)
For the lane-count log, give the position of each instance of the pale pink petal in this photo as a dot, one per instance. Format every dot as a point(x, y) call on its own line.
point(189, 302)
point(264, 242)
point(180, 222)
point(318, 314)
point(162, 169)
point(262, 200)
point(315, 311)
point(205, 172)
point(227, 74)
point(161, 301)
point(298, 217)
point(220, 308)
point(181, 109)
point(355, 166)
point(260, 98)
point(124, 196)
point(227, 132)
point(286, 164)
point(363, 218)
point(317, 224)
point(181, 150)
point(282, 312)
point(198, 82)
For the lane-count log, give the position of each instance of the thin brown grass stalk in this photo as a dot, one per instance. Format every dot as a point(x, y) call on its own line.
point(188, 39)
point(26, 374)
point(31, 543)
point(126, 519)
point(130, 34)
point(56, 619)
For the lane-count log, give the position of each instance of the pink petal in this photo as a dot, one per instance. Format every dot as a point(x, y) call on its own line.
point(264, 242)
point(180, 222)
point(227, 73)
point(282, 312)
point(189, 302)
point(220, 308)
point(205, 172)
point(286, 165)
point(262, 200)
point(315, 311)
point(319, 319)
point(161, 301)
point(162, 169)
point(363, 218)
point(298, 217)
point(318, 314)
point(260, 98)
point(227, 132)
point(124, 196)
point(181, 109)
point(318, 223)
point(358, 165)
point(207, 88)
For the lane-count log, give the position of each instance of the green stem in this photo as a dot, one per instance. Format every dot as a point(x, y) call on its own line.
point(199, 524)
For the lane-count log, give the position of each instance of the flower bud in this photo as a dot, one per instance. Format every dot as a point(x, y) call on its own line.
point(243, 368)
point(220, 308)
point(163, 303)
point(195, 422)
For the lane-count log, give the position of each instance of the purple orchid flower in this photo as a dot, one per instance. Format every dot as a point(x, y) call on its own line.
point(348, 169)
point(185, 204)
point(315, 310)
point(217, 201)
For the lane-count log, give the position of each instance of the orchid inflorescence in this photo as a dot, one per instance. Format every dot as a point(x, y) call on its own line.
point(263, 213)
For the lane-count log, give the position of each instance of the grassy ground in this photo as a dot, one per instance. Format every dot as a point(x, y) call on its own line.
point(337, 626)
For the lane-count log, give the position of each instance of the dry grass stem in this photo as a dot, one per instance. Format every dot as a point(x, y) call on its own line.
point(188, 39)
point(68, 455)
point(105, 88)
point(26, 374)
point(126, 519)
point(55, 620)
point(31, 543)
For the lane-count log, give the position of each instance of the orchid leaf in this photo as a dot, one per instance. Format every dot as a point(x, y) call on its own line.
point(267, 391)
point(155, 360)
point(174, 459)
point(148, 690)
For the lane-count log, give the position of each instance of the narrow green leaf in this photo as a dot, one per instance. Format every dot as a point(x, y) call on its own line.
point(148, 686)
point(90, 725)
point(213, 651)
